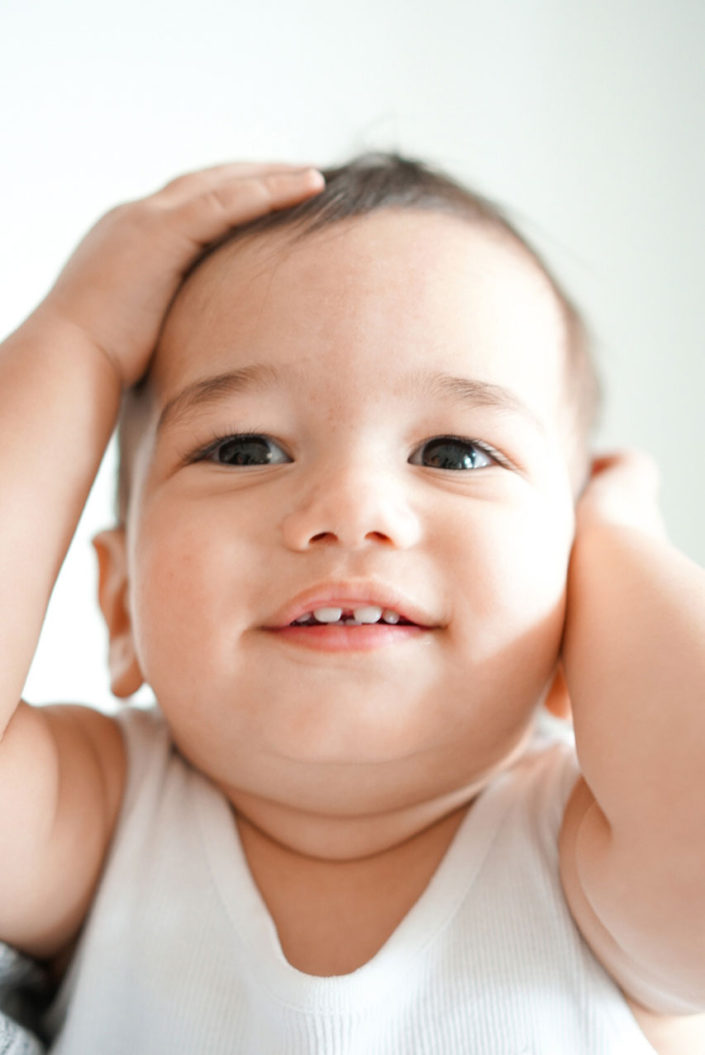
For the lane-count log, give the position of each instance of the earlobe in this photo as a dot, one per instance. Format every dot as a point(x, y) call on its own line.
point(125, 673)
point(557, 700)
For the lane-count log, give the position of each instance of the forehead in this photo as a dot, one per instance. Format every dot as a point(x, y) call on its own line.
point(376, 297)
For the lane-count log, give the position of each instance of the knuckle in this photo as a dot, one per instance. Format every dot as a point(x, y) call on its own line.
point(236, 197)
point(217, 200)
point(146, 213)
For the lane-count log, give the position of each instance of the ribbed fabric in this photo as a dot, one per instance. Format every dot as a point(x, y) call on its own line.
point(180, 956)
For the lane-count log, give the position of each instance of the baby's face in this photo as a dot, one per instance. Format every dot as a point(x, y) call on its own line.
point(398, 381)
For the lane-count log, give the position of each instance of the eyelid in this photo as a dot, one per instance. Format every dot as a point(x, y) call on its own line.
point(481, 445)
point(202, 453)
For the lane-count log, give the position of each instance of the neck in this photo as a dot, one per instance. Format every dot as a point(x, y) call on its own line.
point(337, 839)
point(322, 822)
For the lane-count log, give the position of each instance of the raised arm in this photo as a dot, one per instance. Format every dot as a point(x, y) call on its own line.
point(61, 377)
point(633, 842)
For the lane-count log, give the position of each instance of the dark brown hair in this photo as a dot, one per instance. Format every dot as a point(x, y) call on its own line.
point(372, 182)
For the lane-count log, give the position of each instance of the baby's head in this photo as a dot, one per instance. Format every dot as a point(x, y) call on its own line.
point(379, 182)
point(374, 404)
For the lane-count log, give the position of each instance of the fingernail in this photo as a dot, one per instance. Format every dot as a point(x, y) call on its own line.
point(314, 176)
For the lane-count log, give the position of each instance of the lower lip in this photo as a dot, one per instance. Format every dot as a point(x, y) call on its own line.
point(348, 638)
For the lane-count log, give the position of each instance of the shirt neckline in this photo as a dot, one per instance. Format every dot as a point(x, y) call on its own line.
point(387, 970)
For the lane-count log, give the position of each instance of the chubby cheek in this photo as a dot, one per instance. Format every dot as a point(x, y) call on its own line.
point(189, 600)
point(511, 590)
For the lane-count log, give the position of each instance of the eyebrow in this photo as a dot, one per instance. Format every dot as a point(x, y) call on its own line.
point(477, 393)
point(211, 390)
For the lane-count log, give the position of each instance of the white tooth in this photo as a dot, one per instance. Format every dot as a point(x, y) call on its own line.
point(327, 615)
point(390, 616)
point(303, 618)
point(370, 613)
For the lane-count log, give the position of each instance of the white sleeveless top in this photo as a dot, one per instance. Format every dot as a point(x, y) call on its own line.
point(180, 956)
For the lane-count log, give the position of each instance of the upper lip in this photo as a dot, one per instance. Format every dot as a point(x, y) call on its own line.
point(352, 594)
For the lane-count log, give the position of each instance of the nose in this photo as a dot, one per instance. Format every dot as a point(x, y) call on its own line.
point(351, 509)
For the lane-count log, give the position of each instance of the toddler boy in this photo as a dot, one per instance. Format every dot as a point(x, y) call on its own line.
point(360, 544)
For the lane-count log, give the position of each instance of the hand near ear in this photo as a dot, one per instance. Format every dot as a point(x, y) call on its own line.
point(622, 488)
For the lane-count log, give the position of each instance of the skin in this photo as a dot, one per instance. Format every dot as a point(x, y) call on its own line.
point(344, 755)
point(348, 771)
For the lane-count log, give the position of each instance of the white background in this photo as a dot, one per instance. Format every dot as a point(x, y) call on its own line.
point(586, 119)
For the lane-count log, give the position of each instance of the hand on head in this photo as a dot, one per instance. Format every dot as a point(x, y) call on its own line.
point(118, 284)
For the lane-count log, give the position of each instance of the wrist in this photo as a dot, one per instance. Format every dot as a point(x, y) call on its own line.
point(47, 328)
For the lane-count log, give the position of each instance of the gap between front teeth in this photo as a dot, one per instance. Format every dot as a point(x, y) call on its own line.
point(361, 615)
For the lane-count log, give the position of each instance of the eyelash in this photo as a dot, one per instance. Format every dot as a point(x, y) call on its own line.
point(218, 439)
point(480, 445)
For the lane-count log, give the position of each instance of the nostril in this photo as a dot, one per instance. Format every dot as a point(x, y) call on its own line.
point(332, 536)
point(322, 536)
point(378, 536)
point(349, 527)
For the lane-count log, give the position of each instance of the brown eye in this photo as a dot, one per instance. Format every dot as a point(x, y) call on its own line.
point(247, 451)
point(449, 452)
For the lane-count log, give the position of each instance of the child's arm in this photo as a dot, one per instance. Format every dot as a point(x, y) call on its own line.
point(61, 377)
point(633, 839)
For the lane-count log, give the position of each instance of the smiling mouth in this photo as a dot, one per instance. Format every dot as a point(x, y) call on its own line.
point(353, 628)
point(354, 615)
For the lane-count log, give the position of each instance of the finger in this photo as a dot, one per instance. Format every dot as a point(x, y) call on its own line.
point(190, 183)
point(631, 461)
point(211, 213)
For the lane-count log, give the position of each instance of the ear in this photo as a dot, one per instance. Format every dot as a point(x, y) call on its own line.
point(557, 700)
point(125, 674)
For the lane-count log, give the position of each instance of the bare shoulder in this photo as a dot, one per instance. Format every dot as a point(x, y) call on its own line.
point(590, 881)
point(62, 777)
